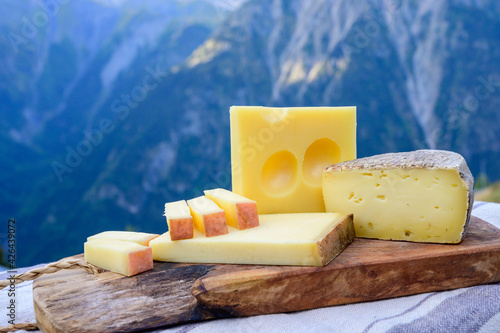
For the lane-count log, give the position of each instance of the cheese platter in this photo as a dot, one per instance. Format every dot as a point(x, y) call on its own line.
point(177, 293)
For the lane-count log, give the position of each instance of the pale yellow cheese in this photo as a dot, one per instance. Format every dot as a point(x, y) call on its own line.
point(278, 154)
point(127, 258)
point(141, 238)
point(420, 198)
point(241, 212)
point(179, 220)
point(310, 239)
point(208, 218)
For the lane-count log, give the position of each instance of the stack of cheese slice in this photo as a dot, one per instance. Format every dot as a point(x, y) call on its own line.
point(121, 252)
point(210, 214)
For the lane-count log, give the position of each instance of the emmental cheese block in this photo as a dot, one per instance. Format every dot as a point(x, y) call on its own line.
point(278, 154)
point(179, 220)
point(306, 239)
point(127, 258)
point(208, 218)
point(419, 196)
point(141, 238)
point(241, 212)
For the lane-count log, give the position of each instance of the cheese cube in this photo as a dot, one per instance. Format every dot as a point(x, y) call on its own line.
point(127, 258)
point(420, 196)
point(179, 220)
point(141, 238)
point(208, 218)
point(278, 154)
point(307, 239)
point(241, 213)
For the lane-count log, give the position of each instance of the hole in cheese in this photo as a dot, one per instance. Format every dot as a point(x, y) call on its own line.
point(320, 154)
point(279, 174)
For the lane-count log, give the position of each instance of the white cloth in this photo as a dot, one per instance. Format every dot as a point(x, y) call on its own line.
point(475, 309)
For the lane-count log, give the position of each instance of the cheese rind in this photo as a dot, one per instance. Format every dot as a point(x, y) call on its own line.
point(179, 220)
point(127, 258)
point(241, 212)
point(141, 238)
point(278, 154)
point(420, 196)
point(208, 218)
point(307, 239)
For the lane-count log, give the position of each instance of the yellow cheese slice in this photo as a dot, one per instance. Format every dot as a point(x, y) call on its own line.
point(278, 154)
point(127, 258)
point(241, 212)
point(307, 239)
point(179, 220)
point(420, 196)
point(141, 238)
point(208, 218)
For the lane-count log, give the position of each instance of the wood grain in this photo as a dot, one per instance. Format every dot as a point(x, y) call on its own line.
point(75, 301)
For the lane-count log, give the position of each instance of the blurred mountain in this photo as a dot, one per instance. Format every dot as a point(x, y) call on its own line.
point(66, 67)
point(112, 108)
point(490, 192)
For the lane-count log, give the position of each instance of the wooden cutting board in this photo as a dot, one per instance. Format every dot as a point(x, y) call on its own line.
point(75, 301)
